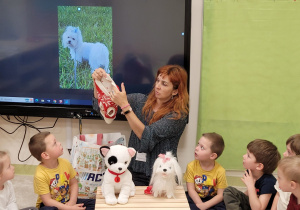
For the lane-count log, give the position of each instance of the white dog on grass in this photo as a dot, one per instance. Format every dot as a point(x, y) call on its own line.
point(96, 54)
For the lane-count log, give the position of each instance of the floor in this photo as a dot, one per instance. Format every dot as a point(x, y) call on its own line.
point(23, 185)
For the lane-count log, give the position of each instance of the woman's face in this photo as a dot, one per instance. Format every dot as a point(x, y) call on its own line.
point(164, 88)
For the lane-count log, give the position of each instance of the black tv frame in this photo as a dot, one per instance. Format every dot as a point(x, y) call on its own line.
point(81, 111)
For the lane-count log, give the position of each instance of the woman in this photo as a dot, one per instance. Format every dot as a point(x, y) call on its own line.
point(157, 120)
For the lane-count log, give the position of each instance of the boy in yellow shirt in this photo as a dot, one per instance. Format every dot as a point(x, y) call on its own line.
point(54, 179)
point(205, 177)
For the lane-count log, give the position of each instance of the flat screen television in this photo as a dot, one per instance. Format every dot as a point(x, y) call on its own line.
point(41, 73)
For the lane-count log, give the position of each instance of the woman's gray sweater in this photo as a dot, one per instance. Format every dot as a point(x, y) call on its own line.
point(157, 138)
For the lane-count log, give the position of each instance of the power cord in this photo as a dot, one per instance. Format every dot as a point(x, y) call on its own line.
point(24, 122)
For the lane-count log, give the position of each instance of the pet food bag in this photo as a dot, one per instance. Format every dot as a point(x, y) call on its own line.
point(87, 161)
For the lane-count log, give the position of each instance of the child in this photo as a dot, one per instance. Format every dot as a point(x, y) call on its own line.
point(54, 179)
point(7, 193)
point(260, 161)
point(281, 199)
point(205, 177)
point(289, 179)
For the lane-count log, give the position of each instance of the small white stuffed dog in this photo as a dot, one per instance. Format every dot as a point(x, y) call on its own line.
point(117, 178)
point(96, 54)
point(166, 175)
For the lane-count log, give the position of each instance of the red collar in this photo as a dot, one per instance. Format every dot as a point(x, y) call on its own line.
point(117, 178)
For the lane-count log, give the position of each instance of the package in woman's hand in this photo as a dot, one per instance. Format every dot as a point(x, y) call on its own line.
point(108, 108)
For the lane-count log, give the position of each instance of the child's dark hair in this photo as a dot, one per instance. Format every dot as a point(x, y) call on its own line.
point(265, 152)
point(37, 144)
point(217, 142)
point(294, 142)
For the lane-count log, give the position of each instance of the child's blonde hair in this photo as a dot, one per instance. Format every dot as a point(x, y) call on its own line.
point(289, 166)
point(3, 155)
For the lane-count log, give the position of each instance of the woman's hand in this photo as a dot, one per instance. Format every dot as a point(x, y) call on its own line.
point(98, 74)
point(119, 97)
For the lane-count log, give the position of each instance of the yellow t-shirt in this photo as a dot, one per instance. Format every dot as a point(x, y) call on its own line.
point(54, 181)
point(206, 183)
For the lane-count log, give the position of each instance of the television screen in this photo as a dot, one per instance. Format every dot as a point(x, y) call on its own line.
point(49, 49)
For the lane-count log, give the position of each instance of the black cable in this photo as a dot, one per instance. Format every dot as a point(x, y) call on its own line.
point(27, 124)
point(22, 146)
point(11, 132)
point(8, 120)
point(51, 126)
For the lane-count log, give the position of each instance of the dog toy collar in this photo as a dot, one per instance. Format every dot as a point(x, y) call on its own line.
point(117, 178)
point(163, 156)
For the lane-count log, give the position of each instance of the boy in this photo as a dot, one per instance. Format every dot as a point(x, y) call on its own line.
point(206, 178)
point(289, 179)
point(260, 161)
point(54, 179)
point(282, 199)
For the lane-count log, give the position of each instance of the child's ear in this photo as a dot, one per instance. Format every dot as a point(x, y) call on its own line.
point(260, 167)
point(213, 156)
point(45, 155)
point(293, 185)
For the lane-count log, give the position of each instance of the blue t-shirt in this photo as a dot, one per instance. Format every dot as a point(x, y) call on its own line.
point(265, 185)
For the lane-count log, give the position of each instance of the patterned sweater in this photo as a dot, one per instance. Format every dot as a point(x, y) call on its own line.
point(157, 138)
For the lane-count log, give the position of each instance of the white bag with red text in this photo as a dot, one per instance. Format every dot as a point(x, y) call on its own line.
point(87, 161)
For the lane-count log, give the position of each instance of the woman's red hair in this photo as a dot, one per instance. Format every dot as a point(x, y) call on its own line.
point(179, 103)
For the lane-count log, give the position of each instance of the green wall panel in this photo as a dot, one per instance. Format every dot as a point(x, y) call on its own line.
point(250, 76)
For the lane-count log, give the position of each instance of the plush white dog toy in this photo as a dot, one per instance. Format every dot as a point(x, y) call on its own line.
point(117, 178)
point(96, 54)
point(166, 175)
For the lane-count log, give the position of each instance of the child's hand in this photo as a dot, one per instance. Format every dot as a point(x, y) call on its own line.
point(70, 203)
point(248, 179)
point(201, 206)
point(78, 206)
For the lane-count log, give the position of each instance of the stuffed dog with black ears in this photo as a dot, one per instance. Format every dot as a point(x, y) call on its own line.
point(117, 178)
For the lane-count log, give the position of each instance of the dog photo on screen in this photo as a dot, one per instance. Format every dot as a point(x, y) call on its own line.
point(85, 43)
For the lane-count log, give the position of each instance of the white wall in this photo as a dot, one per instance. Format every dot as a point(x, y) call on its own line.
point(65, 129)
